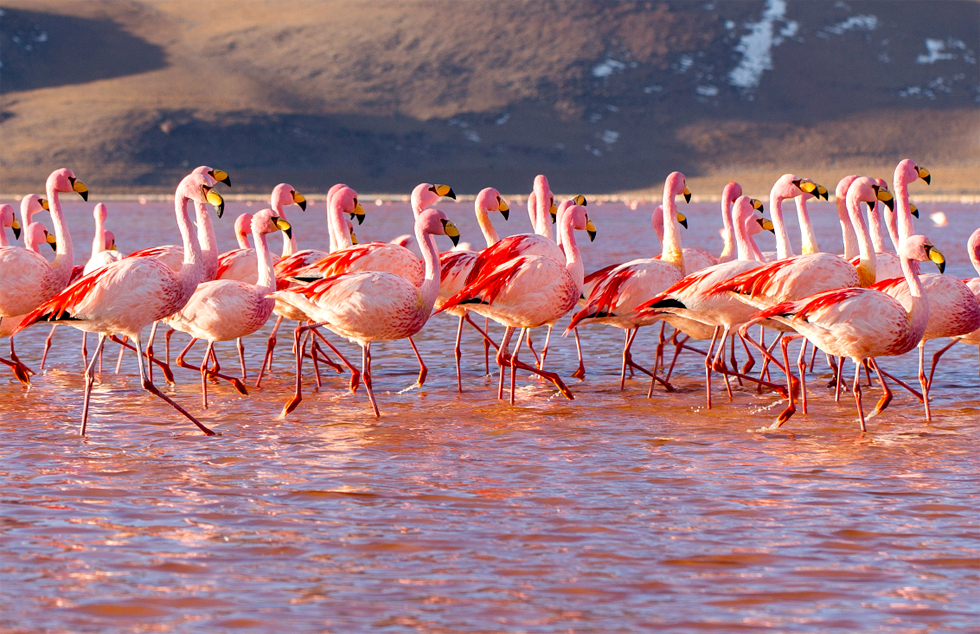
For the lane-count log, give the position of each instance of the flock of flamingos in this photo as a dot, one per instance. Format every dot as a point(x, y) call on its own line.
point(867, 303)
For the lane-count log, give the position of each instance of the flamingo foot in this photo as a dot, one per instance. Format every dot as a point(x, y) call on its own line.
point(580, 372)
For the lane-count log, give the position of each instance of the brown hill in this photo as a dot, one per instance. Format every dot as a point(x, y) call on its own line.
point(600, 96)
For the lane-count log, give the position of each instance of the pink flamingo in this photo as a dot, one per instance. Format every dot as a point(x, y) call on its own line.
point(955, 311)
point(540, 203)
point(129, 295)
point(527, 292)
point(34, 236)
point(863, 323)
point(692, 300)
point(455, 265)
point(8, 220)
point(614, 296)
point(222, 310)
point(371, 306)
point(973, 246)
point(29, 280)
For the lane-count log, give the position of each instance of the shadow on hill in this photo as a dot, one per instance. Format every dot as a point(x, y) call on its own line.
point(42, 50)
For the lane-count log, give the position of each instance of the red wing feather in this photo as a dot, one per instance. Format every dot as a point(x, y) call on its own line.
point(754, 282)
point(487, 288)
point(885, 285)
point(601, 273)
point(56, 307)
point(493, 257)
point(224, 261)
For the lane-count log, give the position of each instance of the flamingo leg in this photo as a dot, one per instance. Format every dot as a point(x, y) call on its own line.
point(149, 347)
point(486, 338)
point(791, 408)
point(316, 365)
point(935, 360)
point(122, 350)
point(813, 358)
point(21, 371)
point(719, 362)
point(355, 374)
point(801, 366)
point(323, 356)
point(241, 358)
point(898, 381)
point(766, 355)
point(204, 374)
point(166, 343)
point(857, 392)
point(89, 380)
point(530, 346)
point(788, 391)
point(423, 371)
point(735, 363)
point(886, 398)
point(167, 373)
point(502, 360)
point(180, 357)
point(366, 374)
point(215, 372)
point(298, 394)
point(923, 382)
point(486, 343)
point(626, 344)
point(513, 363)
point(544, 350)
point(750, 363)
point(47, 347)
point(707, 364)
point(840, 374)
point(270, 346)
point(579, 373)
point(458, 354)
point(152, 389)
point(84, 352)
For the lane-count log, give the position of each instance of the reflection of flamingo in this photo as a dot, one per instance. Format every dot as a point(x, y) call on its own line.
point(130, 294)
point(954, 310)
point(29, 280)
point(614, 296)
point(370, 305)
point(529, 291)
point(222, 310)
point(455, 266)
point(863, 323)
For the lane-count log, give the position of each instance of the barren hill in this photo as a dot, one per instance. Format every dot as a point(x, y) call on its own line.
point(601, 96)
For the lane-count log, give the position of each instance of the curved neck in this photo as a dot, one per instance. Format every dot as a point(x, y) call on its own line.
point(242, 238)
point(483, 219)
point(288, 244)
point(892, 224)
point(903, 210)
point(573, 258)
point(672, 251)
point(189, 274)
point(207, 241)
point(747, 249)
point(919, 305)
point(542, 213)
point(336, 227)
point(729, 235)
point(267, 276)
point(809, 240)
point(430, 257)
point(98, 242)
point(64, 258)
point(783, 247)
point(866, 265)
point(876, 229)
point(847, 230)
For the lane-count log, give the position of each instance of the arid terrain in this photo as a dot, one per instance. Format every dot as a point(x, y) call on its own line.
point(603, 97)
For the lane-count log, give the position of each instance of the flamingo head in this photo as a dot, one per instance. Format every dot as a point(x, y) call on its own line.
point(907, 172)
point(218, 176)
point(36, 235)
point(9, 219)
point(110, 240)
point(267, 221)
point(880, 188)
point(577, 217)
point(434, 222)
point(63, 180)
point(100, 213)
point(426, 194)
point(333, 190)
point(489, 199)
point(920, 248)
point(676, 185)
point(30, 205)
point(243, 224)
point(731, 193)
point(200, 189)
point(809, 189)
point(556, 212)
point(843, 185)
point(285, 194)
point(345, 199)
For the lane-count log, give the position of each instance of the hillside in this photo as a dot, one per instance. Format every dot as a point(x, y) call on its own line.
point(600, 96)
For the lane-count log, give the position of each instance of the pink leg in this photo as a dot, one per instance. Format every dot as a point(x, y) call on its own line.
point(544, 351)
point(530, 346)
point(458, 353)
point(355, 374)
point(366, 373)
point(270, 346)
point(486, 344)
point(89, 380)
point(241, 358)
point(122, 350)
point(204, 375)
point(857, 392)
point(579, 373)
point(935, 360)
point(423, 371)
point(298, 394)
point(47, 346)
point(923, 382)
point(886, 398)
point(513, 364)
point(168, 375)
point(149, 387)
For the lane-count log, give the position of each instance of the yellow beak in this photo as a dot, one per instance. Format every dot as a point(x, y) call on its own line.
point(15, 227)
point(885, 196)
point(451, 231)
point(299, 199)
point(936, 257)
point(444, 190)
point(221, 176)
point(112, 247)
point(687, 194)
point(757, 205)
point(681, 218)
point(358, 213)
point(503, 208)
point(766, 224)
point(50, 239)
point(215, 199)
point(924, 175)
point(914, 210)
point(591, 229)
point(353, 238)
point(44, 204)
point(284, 226)
point(79, 187)
point(579, 199)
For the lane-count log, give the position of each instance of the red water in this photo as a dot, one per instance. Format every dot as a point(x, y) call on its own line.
point(458, 513)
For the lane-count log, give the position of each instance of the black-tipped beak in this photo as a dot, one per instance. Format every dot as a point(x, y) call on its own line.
point(215, 199)
point(15, 227)
point(503, 208)
point(757, 205)
point(51, 240)
point(358, 212)
point(766, 224)
point(936, 257)
point(444, 190)
point(451, 231)
point(44, 204)
point(284, 226)
point(924, 175)
point(682, 219)
point(822, 191)
point(591, 229)
point(687, 194)
point(79, 187)
point(579, 199)
point(914, 210)
point(221, 176)
point(299, 199)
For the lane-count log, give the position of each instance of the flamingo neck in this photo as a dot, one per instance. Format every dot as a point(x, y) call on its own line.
point(919, 304)
point(288, 244)
point(783, 247)
point(64, 259)
point(658, 225)
point(242, 237)
point(892, 224)
point(98, 242)
point(806, 229)
point(483, 219)
point(430, 257)
point(876, 229)
point(573, 257)
point(337, 228)
point(672, 251)
point(208, 243)
point(847, 230)
point(868, 260)
point(903, 209)
point(747, 249)
point(729, 230)
point(542, 212)
point(267, 275)
point(189, 274)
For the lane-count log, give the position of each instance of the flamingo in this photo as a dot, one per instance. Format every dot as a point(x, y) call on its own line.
point(369, 306)
point(863, 323)
point(456, 265)
point(691, 298)
point(129, 295)
point(955, 311)
point(34, 236)
point(28, 280)
point(530, 291)
point(973, 247)
point(8, 220)
point(243, 226)
point(222, 310)
point(614, 296)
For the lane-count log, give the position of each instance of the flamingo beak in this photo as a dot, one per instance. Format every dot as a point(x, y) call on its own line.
point(924, 175)
point(353, 237)
point(590, 228)
point(215, 199)
point(553, 210)
point(79, 187)
point(579, 199)
point(44, 204)
point(112, 247)
point(444, 190)
point(914, 210)
point(687, 194)
point(284, 226)
point(51, 240)
point(681, 218)
point(221, 176)
point(808, 187)
point(15, 227)
point(299, 199)
point(822, 191)
point(757, 205)
point(451, 231)
point(885, 196)
point(358, 212)
point(503, 208)
point(936, 257)
point(766, 224)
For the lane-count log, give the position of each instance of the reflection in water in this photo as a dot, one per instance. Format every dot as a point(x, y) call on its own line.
point(458, 513)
